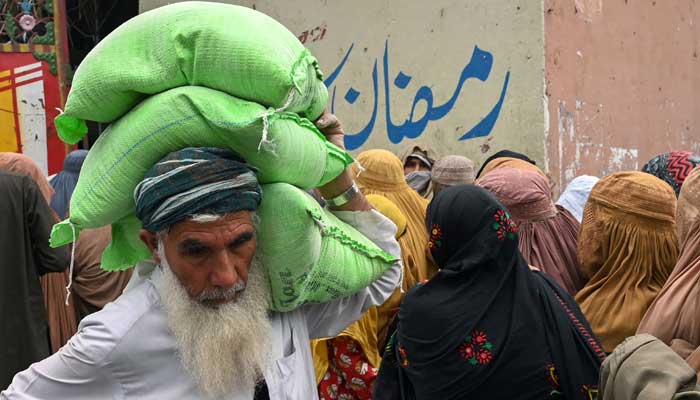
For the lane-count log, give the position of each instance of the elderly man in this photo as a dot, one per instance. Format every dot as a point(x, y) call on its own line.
point(195, 324)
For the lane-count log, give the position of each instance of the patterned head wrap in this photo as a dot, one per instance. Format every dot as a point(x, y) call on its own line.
point(193, 181)
point(672, 167)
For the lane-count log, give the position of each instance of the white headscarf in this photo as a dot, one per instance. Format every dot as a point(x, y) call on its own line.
point(576, 194)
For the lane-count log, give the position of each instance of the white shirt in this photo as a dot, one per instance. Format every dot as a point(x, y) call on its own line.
point(126, 351)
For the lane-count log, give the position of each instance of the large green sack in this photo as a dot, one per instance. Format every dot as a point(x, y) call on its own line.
point(230, 48)
point(312, 256)
point(295, 152)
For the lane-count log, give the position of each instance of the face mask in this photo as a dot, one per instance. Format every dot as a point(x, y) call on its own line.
point(418, 180)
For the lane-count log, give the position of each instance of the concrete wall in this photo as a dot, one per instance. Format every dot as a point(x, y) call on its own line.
point(622, 82)
point(465, 76)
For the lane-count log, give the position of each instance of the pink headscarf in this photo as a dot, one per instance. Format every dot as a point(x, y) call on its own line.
point(24, 165)
point(674, 316)
point(548, 234)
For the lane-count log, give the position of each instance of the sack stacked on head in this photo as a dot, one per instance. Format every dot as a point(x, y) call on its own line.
point(191, 74)
point(311, 255)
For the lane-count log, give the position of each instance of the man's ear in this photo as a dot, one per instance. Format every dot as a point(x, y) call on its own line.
point(151, 241)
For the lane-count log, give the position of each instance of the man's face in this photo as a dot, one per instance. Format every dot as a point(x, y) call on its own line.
point(209, 258)
point(413, 164)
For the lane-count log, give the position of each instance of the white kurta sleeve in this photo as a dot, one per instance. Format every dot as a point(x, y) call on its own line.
point(77, 371)
point(329, 319)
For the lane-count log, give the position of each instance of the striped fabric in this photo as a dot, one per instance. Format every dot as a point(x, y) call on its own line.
point(195, 181)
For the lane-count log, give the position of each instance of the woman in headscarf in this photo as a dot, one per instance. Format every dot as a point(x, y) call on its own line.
point(451, 171)
point(62, 318)
point(486, 326)
point(93, 287)
point(576, 195)
point(507, 162)
point(381, 172)
point(24, 165)
point(503, 154)
point(418, 161)
point(346, 365)
point(627, 247)
point(674, 317)
point(64, 182)
point(548, 234)
point(672, 167)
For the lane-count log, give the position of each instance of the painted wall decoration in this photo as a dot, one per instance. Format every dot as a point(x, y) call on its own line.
point(463, 77)
point(30, 94)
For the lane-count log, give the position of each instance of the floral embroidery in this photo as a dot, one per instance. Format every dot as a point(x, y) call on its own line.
point(477, 349)
point(553, 379)
point(590, 392)
point(404, 356)
point(435, 237)
point(504, 226)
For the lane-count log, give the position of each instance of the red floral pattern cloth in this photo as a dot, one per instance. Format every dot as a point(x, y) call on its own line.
point(350, 376)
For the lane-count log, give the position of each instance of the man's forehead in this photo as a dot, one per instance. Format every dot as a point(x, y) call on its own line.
point(228, 224)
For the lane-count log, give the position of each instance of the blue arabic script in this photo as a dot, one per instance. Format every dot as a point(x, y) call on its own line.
point(478, 67)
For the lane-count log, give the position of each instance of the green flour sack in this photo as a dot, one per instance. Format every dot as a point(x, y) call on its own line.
point(311, 255)
point(229, 48)
point(283, 146)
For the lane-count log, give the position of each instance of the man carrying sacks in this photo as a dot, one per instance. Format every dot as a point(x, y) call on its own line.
point(197, 325)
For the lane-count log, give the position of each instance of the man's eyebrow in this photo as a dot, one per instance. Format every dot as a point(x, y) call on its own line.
point(191, 244)
point(242, 238)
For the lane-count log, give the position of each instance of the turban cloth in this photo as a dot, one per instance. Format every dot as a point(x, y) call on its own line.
point(195, 181)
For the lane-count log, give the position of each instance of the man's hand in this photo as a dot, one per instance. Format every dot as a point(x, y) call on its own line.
point(330, 126)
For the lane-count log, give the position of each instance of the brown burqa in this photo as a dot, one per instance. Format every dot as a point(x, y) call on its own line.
point(627, 246)
point(62, 318)
point(547, 234)
point(94, 287)
point(674, 317)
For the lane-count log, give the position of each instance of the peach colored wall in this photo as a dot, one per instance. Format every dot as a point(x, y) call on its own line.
point(622, 80)
point(473, 71)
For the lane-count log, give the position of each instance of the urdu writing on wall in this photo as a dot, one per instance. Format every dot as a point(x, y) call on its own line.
point(477, 67)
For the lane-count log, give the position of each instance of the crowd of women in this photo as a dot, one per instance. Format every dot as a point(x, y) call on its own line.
point(508, 294)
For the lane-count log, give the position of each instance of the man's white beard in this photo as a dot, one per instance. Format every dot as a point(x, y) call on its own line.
point(226, 347)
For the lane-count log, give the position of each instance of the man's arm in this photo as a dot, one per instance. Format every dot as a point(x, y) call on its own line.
point(74, 372)
point(329, 319)
point(41, 220)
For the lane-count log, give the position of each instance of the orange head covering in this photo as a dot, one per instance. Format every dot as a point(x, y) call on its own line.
point(24, 165)
point(547, 235)
point(509, 162)
point(674, 317)
point(389, 210)
point(627, 246)
point(382, 173)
